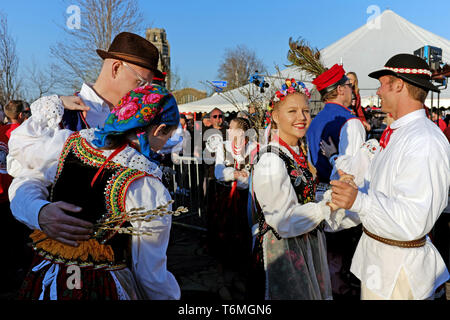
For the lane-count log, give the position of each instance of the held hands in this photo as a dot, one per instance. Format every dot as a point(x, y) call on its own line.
point(344, 191)
point(240, 173)
point(62, 227)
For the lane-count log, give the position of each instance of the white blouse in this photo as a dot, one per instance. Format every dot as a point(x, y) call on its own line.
point(278, 200)
point(224, 172)
point(35, 148)
point(351, 137)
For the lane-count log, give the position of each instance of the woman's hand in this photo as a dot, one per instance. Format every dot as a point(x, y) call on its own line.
point(344, 191)
point(328, 149)
point(73, 103)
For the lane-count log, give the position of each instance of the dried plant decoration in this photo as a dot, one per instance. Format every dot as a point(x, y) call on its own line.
point(136, 215)
point(301, 54)
point(113, 224)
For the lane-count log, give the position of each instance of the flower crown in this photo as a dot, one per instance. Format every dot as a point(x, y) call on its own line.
point(289, 86)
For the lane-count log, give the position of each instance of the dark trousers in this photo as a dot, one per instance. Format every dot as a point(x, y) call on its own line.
point(440, 236)
point(16, 254)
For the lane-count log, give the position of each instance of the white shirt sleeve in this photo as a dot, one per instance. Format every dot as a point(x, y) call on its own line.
point(34, 150)
point(149, 251)
point(27, 195)
point(278, 200)
point(358, 164)
point(222, 172)
point(351, 138)
point(415, 200)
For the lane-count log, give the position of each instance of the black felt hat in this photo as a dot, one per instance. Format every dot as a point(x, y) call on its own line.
point(409, 68)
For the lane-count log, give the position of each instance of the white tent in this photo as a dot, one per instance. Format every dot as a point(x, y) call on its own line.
point(364, 50)
point(224, 101)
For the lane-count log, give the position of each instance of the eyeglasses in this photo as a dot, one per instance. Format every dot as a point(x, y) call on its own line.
point(348, 84)
point(218, 116)
point(142, 82)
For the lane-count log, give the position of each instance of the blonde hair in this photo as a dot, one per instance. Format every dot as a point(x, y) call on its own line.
point(356, 81)
point(416, 93)
point(276, 105)
point(330, 95)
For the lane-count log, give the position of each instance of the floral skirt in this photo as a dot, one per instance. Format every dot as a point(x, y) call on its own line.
point(291, 268)
point(50, 281)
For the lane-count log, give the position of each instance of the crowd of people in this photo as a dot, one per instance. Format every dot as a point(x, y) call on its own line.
point(311, 207)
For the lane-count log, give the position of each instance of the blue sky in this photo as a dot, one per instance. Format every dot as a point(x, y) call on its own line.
point(200, 31)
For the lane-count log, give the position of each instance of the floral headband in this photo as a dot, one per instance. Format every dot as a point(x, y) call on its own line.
point(289, 86)
point(141, 107)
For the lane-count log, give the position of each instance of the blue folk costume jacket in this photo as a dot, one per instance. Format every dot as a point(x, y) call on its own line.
point(327, 123)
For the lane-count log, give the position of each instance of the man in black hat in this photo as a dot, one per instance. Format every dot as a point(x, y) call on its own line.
point(405, 190)
point(130, 62)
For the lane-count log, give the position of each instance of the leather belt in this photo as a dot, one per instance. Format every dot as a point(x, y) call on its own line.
point(403, 244)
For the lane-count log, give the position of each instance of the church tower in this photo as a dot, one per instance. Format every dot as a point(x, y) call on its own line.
point(158, 37)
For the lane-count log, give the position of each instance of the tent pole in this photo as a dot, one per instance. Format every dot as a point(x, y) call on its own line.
point(439, 93)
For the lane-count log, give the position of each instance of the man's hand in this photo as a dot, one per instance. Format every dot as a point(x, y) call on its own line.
point(344, 191)
point(73, 103)
point(347, 178)
point(240, 173)
point(62, 227)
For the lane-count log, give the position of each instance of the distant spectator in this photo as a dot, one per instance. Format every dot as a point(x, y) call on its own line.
point(2, 115)
point(206, 120)
point(356, 100)
point(26, 110)
point(436, 118)
point(15, 234)
point(447, 119)
point(242, 114)
point(447, 133)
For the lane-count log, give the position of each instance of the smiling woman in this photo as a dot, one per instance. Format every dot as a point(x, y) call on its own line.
point(289, 255)
point(292, 118)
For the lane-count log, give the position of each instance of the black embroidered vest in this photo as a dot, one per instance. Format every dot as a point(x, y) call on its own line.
point(77, 166)
point(301, 179)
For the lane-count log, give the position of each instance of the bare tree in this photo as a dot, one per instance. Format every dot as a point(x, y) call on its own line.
point(10, 83)
point(237, 66)
point(175, 79)
point(100, 22)
point(40, 82)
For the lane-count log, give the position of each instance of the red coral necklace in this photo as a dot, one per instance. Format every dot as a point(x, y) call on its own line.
point(299, 158)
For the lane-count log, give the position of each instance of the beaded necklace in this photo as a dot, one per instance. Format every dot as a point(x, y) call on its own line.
point(299, 158)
